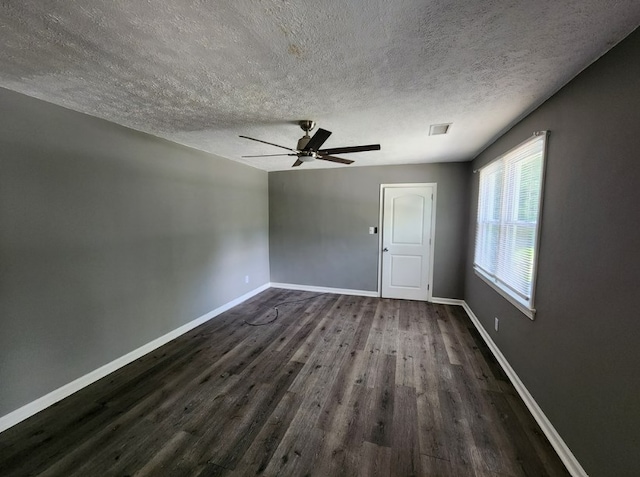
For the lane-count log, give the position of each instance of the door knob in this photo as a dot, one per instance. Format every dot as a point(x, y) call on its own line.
point(385, 249)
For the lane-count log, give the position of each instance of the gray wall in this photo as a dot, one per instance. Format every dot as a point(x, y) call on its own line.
point(319, 221)
point(110, 238)
point(580, 357)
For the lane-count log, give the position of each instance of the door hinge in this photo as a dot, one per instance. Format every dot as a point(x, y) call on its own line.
point(428, 286)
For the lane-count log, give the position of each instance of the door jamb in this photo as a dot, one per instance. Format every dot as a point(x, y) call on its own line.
point(432, 237)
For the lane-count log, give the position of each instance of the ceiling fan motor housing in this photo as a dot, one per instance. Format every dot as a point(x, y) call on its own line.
point(302, 142)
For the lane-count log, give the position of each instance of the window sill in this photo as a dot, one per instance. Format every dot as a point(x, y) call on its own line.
point(529, 313)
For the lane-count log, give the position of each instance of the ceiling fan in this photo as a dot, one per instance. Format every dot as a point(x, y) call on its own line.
point(308, 147)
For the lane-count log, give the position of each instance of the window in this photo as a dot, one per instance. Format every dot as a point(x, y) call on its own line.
point(509, 202)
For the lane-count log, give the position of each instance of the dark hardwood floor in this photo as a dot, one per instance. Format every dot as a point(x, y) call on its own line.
point(336, 386)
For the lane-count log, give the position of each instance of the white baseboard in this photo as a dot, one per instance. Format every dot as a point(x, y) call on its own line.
point(565, 454)
point(53, 397)
point(447, 301)
point(338, 291)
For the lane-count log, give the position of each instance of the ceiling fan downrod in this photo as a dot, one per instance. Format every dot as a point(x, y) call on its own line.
point(306, 125)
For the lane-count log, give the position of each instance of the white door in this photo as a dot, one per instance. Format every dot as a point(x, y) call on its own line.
point(407, 238)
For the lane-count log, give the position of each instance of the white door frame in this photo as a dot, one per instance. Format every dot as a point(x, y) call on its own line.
point(432, 238)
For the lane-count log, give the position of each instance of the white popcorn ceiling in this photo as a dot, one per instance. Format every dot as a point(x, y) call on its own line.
point(371, 71)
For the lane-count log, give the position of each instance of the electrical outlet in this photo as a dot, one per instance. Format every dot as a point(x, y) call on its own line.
point(496, 323)
point(246, 278)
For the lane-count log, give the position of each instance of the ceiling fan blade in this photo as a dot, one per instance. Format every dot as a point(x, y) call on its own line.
point(297, 163)
point(325, 157)
point(270, 143)
point(271, 155)
point(344, 150)
point(317, 140)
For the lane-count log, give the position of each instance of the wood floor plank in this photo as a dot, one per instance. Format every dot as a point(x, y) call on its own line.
point(336, 385)
point(320, 328)
point(450, 342)
point(368, 313)
point(298, 449)
point(65, 462)
point(376, 332)
point(340, 452)
point(380, 423)
point(459, 443)
point(240, 433)
point(413, 317)
point(341, 389)
point(529, 428)
point(130, 448)
point(314, 307)
point(300, 445)
point(433, 437)
point(391, 316)
point(375, 461)
point(470, 353)
point(259, 454)
point(104, 446)
point(405, 362)
point(155, 465)
point(440, 467)
point(405, 447)
point(425, 365)
point(491, 449)
point(239, 415)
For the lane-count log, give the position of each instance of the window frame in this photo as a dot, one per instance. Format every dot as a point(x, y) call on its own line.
point(527, 307)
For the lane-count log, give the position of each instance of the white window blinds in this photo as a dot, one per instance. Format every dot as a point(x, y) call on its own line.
point(509, 202)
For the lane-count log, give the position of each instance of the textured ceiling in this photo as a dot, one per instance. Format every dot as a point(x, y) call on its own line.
point(372, 71)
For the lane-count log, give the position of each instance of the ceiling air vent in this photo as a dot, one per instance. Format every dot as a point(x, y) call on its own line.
point(436, 129)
